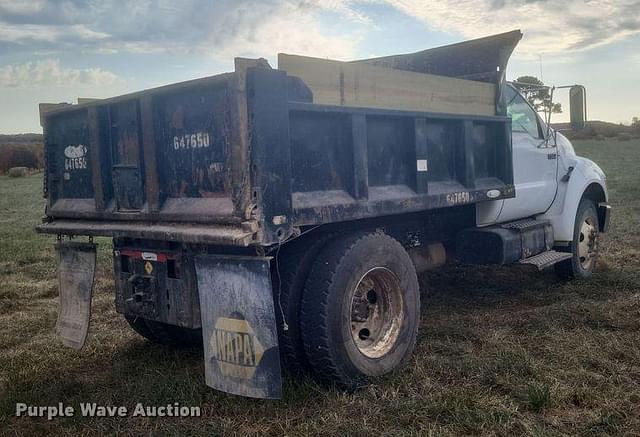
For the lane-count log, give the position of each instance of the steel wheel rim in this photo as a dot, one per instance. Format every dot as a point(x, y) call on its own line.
point(587, 243)
point(376, 312)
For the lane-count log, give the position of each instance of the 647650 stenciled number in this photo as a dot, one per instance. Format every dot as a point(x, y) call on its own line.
point(196, 140)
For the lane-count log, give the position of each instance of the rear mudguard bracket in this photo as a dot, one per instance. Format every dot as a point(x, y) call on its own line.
point(76, 272)
point(238, 325)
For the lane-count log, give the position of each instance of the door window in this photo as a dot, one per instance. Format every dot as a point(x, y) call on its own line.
point(523, 117)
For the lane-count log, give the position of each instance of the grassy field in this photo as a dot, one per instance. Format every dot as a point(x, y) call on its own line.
point(501, 351)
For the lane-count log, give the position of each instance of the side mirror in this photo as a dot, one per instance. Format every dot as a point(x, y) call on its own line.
point(578, 106)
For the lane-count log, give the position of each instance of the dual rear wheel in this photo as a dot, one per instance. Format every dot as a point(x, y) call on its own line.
point(358, 311)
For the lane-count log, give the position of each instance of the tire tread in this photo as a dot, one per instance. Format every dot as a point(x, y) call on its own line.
point(568, 269)
point(290, 273)
point(314, 312)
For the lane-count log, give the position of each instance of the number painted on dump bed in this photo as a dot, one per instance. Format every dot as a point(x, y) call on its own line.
point(196, 140)
point(458, 198)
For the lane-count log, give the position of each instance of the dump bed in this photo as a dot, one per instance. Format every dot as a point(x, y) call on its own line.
point(244, 158)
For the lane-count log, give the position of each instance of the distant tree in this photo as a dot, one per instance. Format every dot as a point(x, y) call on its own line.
point(635, 123)
point(538, 95)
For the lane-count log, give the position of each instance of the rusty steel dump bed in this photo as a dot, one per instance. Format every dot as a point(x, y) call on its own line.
point(248, 158)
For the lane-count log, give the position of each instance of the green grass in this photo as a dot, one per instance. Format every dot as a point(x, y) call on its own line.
point(501, 351)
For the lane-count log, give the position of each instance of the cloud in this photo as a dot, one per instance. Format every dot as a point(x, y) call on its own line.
point(549, 26)
point(199, 27)
point(49, 73)
point(227, 28)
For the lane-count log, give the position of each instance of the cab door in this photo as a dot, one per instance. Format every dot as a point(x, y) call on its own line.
point(535, 162)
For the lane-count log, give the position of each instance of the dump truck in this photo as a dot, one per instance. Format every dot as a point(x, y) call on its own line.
point(280, 216)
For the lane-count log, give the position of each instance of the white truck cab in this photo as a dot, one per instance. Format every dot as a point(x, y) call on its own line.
point(552, 184)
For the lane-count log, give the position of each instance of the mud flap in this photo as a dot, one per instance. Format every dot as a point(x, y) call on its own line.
point(238, 326)
point(76, 271)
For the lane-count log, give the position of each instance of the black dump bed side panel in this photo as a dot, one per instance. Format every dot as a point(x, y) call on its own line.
point(350, 163)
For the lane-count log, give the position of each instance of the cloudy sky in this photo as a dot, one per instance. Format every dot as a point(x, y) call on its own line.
point(58, 50)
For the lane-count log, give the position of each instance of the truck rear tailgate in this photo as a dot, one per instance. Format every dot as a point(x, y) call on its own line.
point(162, 154)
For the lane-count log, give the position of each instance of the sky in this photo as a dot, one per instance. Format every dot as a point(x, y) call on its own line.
point(58, 50)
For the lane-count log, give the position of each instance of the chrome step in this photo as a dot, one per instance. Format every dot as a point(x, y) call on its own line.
point(546, 259)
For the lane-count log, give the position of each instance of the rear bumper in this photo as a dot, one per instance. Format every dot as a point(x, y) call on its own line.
point(604, 216)
point(238, 235)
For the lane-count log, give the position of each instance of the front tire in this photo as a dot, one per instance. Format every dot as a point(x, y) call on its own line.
point(360, 309)
point(584, 247)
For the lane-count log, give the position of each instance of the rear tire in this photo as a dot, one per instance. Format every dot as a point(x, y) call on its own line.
point(360, 309)
point(163, 333)
point(289, 273)
point(584, 247)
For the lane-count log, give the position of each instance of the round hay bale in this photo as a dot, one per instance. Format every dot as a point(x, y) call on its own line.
point(17, 172)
